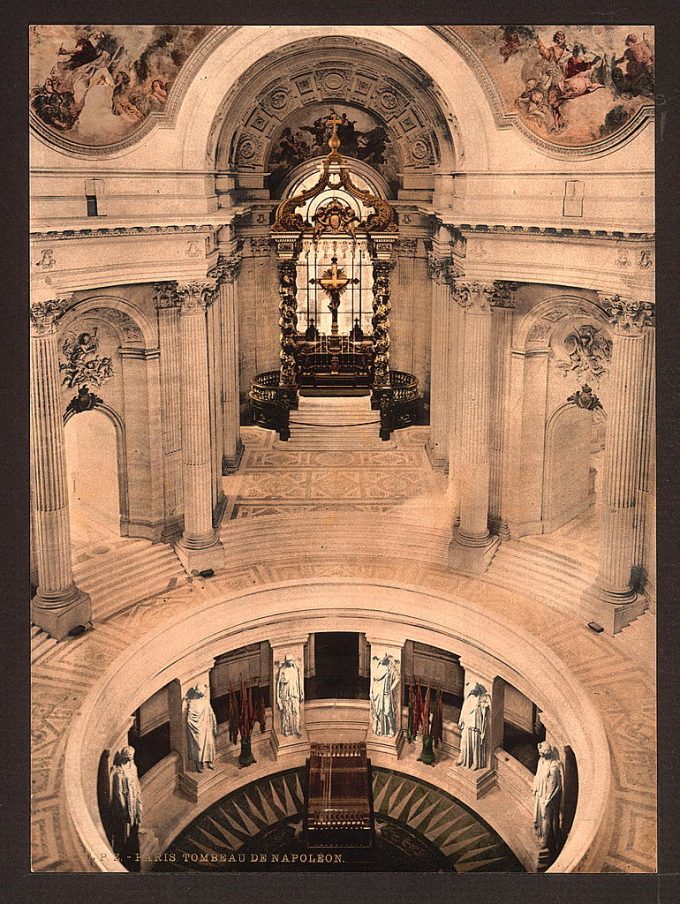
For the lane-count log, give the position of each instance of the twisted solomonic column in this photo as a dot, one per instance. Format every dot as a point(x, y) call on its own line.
point(381, 324)
point(59, 606)
point(199, 547)
point(473, 547)
point(288, 323)
point(613, 599)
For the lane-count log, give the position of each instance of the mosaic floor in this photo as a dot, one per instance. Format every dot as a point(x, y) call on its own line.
point(418, 828)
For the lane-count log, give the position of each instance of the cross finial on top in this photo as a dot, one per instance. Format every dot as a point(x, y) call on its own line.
point(334, 121)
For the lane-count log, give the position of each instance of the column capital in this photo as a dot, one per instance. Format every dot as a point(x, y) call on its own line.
point(504, 296)
point(227, 269)
point(439, 269)
point(408, 247)
point(46, 314)
point(165, 294)
point(195, 297)
point(628, 316)
point(476, 297)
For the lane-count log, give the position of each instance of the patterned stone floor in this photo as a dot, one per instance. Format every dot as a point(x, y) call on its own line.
point(418, 828)
point(616, 671)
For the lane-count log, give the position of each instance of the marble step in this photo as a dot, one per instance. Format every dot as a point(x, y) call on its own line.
point(41, 643)
point(116, 580)
point(538, 575)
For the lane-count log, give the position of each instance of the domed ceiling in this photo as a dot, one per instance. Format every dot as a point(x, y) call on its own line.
point(571, 87)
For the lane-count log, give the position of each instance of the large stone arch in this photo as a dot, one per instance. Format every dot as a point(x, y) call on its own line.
point(219, 74)
point(312, 75)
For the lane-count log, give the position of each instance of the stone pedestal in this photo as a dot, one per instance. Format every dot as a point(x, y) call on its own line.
point(199, 547)
point(59, 605)
point(385, 732)
point(288, 665)
point(473, 546)
point(614, 600)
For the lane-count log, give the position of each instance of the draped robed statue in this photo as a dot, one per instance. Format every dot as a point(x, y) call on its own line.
point(126, 807)
point(474, 724)
point(385, 676)
point(289, 696)
point(547, 790)
point(201, 724)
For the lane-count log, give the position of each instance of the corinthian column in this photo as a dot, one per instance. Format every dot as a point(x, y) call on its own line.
point(59, 606)
point(199, 547)
point(473, 546)
point(227, 272)
point(614, 598)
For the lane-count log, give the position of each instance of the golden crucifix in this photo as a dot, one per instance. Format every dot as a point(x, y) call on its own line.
point(334, 281)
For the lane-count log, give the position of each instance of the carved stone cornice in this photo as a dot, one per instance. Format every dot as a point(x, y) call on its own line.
point(165, 295)
point(475, 297)
point(195, 297)
point(227, 269)
point(45, 315)
point(552, 231)
point(628, 316)
point(104, 231)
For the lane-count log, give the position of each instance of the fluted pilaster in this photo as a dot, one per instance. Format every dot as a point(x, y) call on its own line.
point(227, 272)
point(440, 410)
point(167, 304)
point(59, 606)
point(614, 586)
point(199, 547)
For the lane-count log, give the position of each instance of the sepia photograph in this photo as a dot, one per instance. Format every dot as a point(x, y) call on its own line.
point(342, 448)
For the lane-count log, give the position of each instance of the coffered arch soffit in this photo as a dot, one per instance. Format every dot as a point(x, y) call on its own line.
point(374, 87)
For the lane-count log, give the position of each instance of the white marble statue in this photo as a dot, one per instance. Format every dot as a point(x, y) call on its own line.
point(385, 677)
point(547, 790)
point(126, 803)
point(474, 726)
point(289, 695)
point(201, 728)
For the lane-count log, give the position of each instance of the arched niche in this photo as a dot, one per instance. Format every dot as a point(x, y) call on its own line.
point(131, 399)
point(544, 378)
point(122, 496)
point(568, 484)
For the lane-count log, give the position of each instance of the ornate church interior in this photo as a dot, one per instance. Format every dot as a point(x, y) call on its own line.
point(342, 448)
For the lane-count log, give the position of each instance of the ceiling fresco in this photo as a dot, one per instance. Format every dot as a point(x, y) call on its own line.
point(96, 84)
point(570, 86)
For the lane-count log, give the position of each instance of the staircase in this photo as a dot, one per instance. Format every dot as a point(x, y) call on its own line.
point(523, 565)
point(124, 572)
point(327, 424)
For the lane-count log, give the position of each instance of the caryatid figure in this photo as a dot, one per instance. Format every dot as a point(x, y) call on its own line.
point(201, 728)
point(474, 726)
point(385, 676)
point(289, 695)
point(547, 789)
point(126, 804)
